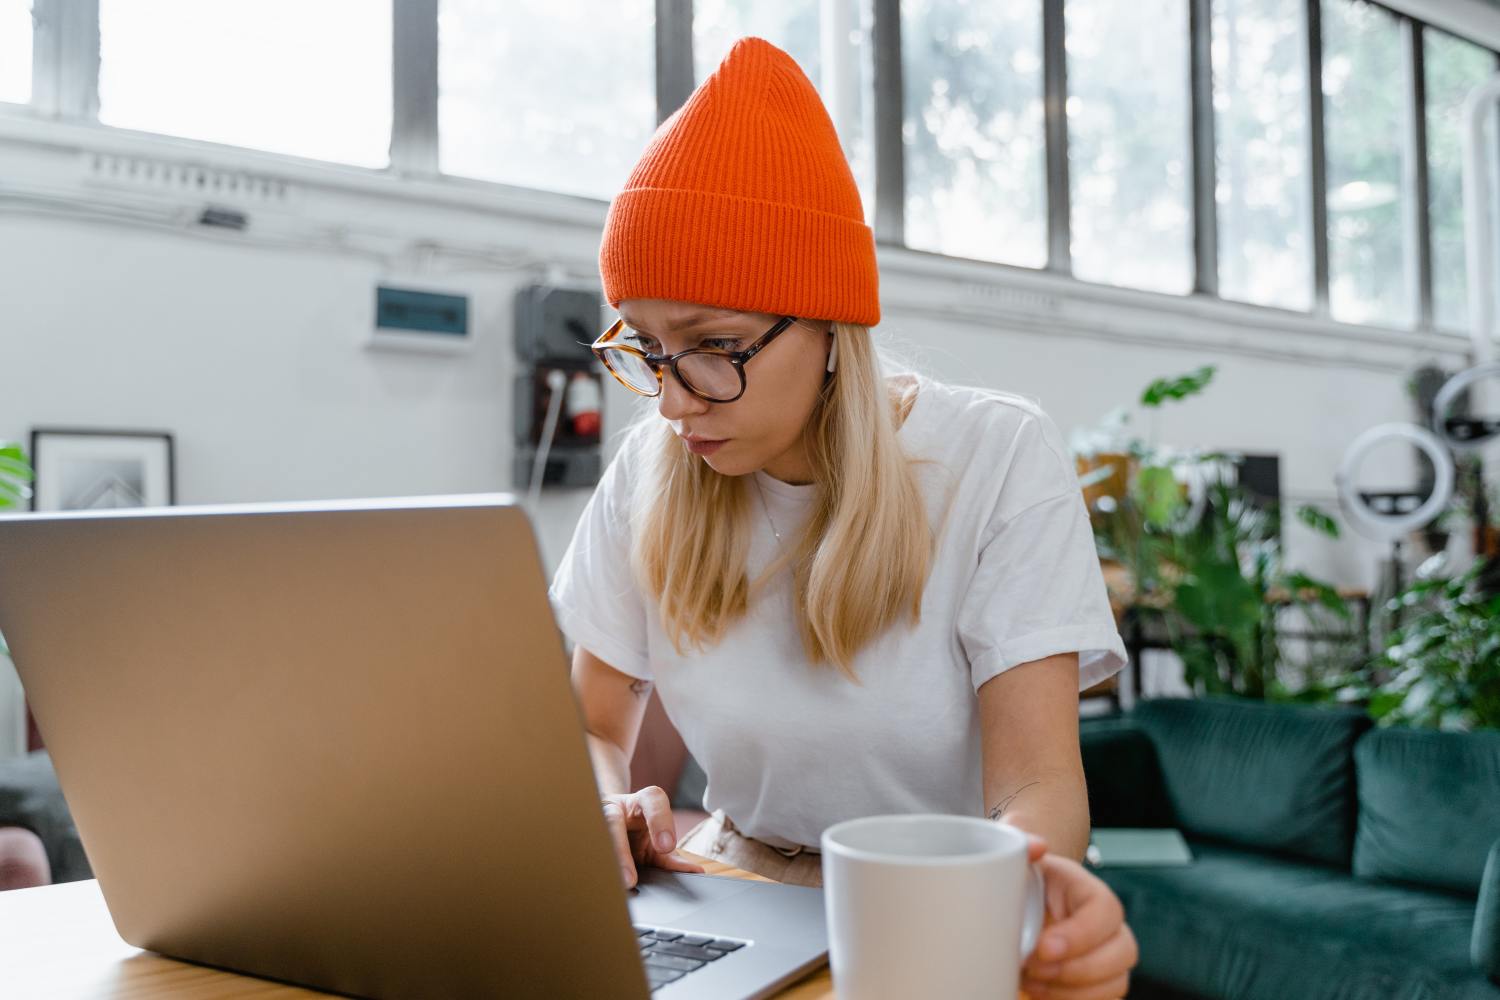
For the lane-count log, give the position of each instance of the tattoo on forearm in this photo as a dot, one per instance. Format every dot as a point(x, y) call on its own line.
point(640, 688)
point(1004, 803)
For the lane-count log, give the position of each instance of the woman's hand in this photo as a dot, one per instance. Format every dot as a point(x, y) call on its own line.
point(641, 826)
point(1086, 949)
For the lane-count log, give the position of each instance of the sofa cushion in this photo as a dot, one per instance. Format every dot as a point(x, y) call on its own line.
point(1484, 949)
point(1429, 806)
point(1246, 925)
point(1277, 778)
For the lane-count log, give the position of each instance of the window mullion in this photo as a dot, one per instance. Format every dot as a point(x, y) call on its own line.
point(674, 56)
point(414, 87)
point(1318, 172)
point(1417, 217)
point(890, 121)
point(1205, 207)
point(1055, 105)
point(65, 58)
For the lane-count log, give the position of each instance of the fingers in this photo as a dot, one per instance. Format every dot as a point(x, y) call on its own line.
point(1091, 914)
point(657, 810)
point(614, 818)
point(1112, 990)
point(1103, 964)
point(1088, 952)
point(673, 863)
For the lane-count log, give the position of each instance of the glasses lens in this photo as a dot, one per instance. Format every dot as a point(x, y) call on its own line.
point(711, 375)
point(631, 369)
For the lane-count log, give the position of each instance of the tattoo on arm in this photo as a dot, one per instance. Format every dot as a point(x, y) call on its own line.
point(1004, 803)
point(640, 688)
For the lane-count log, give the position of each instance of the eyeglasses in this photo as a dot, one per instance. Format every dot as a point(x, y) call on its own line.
point(709, 373)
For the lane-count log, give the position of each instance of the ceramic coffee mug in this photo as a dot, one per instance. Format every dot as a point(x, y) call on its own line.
point(929, 906)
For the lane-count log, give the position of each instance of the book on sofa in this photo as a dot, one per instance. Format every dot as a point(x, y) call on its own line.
point(1119, 847)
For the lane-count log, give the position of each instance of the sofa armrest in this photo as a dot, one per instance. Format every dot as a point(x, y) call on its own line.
point(31, 799)
point(1124, 777)
point(1484, 948)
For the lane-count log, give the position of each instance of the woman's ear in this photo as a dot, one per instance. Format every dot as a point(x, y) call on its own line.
point(833, 352)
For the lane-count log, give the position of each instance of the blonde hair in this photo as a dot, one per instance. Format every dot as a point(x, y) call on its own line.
point(860, 564)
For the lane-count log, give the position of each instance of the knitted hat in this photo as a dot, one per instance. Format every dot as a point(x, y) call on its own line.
point(743, 200)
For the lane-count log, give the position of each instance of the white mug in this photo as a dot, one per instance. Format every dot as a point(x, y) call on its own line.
point(929, 906)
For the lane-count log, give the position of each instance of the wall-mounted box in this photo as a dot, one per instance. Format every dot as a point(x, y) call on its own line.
point(421, 317)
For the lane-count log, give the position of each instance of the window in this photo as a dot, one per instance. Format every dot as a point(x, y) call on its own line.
point(796, 27)
point(1365, 100)
point(15, 51)
point(975, 144)
point(1262, 160)
point(561, 96)
point(787, 24)
point(1453, 68)
point(540, 94)
point(291, 76)
point(1128, 143)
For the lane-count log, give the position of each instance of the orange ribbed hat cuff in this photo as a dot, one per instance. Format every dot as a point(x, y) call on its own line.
point(739, 253)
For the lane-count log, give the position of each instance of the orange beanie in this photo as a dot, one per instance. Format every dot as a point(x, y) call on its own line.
point(743, 200)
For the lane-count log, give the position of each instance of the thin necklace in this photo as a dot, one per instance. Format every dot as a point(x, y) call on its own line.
point(760, 491)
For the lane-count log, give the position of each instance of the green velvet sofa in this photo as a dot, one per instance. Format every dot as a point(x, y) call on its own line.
point(1331, 859)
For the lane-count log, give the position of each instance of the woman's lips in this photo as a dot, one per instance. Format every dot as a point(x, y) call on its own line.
point(703, 446)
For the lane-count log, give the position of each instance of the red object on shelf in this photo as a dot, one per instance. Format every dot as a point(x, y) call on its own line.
point(586, 424)
point(582, 403)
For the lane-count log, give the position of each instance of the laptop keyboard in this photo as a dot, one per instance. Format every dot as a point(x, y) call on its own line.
point(670, 954)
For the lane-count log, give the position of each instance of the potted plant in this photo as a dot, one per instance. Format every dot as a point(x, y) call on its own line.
point(15, 474)
point(1441, 668)
point(1196, 548)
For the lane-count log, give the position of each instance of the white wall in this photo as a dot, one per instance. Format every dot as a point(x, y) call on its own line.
point(247, 347)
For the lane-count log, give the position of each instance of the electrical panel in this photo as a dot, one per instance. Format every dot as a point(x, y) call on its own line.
point(554, 328)
point(421, 313)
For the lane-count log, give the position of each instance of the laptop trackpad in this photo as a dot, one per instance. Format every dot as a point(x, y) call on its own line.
point(665, 898)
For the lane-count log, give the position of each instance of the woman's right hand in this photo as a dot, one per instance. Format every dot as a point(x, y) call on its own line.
point(643, 832)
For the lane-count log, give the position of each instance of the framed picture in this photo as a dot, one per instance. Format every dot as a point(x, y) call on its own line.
point(97, 469)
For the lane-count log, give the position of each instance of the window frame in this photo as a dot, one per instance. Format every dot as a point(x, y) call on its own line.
point(65, 90)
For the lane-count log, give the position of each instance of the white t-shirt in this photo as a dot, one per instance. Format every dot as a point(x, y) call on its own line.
point(790, 748)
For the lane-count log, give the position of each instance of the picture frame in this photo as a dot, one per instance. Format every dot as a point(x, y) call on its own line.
point(91, 469)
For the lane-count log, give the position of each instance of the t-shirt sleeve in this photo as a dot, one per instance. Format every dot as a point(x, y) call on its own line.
point(594, 592)
point(1038, 589)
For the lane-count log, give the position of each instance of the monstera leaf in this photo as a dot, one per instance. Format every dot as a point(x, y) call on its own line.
point(15, 473)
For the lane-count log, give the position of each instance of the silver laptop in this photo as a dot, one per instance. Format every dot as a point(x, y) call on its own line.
point(335, 744)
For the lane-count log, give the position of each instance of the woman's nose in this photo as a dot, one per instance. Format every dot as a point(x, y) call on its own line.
point(675, 402)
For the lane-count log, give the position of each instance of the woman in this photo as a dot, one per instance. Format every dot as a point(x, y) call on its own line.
point(854, 595)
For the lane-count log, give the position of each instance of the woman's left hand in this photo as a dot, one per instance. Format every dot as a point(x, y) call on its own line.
point(1086, 949)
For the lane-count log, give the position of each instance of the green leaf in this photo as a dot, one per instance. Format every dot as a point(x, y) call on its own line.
point(15, 473)
point(1315, 518)
point(1178, 388)
point(11, 496)
point(1383, 703)
point(1158, 494)
point(1325, 594)
point(1218, 598)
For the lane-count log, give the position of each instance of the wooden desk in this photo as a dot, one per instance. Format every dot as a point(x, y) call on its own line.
point(58, 943)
